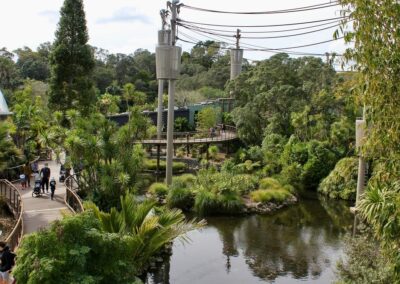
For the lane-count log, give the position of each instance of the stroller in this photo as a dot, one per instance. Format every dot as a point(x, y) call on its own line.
point(63, 173)
point(36, 189)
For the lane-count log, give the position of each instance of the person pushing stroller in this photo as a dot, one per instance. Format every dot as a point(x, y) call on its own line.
point(45, 174)
point(37, 187)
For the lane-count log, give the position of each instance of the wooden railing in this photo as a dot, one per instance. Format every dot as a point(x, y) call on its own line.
point(72, 199)
point(219, 134)
point(13, 198)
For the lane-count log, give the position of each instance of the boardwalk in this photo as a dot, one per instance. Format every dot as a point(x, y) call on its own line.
point(181, 139)
point(39, 212)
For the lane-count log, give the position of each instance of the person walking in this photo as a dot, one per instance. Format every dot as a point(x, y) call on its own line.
point(23, 181)
point(35, 167)
point(45, 174)
point(28, 173)
point(52, 187)
point(7, 260)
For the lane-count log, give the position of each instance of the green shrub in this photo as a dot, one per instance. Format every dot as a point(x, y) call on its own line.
point(342, 181)
point(229, 204)
point(270, 195)
point(185, 180)
point(291, 174)
point(75, 250)
point(176, 166)
point(206, 203)
point(213, 151)
point(364, 262)
point(181, 198)
point(244, 183)
point(321, 160)
point(270, 183)
point(289, 188)
point(158, 189)
point(180, 152)
point(211, 203)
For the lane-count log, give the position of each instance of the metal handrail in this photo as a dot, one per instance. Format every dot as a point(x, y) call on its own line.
point(219, 135)
point(72, 199)
point(14, 200)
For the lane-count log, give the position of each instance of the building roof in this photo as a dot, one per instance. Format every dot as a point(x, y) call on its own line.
point(3, 105)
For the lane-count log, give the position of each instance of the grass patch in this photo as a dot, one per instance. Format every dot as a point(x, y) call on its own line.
point(270, 195)
point(179, 197)
point(270, 183)
point(152, 165)
point(158, 189)
point(209, 203)
point(185, 180)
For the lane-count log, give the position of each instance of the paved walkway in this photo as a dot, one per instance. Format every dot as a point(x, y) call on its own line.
point(39, 212)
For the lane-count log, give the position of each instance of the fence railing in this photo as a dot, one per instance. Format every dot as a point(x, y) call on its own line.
point(220, 133)
point(13, 198)
point(72, 199)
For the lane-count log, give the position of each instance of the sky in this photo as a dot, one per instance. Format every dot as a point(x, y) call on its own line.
point(122, 26)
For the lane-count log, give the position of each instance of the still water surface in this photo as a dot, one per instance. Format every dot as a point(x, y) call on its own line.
point(300, 244)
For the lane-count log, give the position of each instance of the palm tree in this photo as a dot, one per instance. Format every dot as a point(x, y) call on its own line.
point(152, 228)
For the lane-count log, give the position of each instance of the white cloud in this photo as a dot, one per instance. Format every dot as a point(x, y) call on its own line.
point(125, 14)
point(52, 15)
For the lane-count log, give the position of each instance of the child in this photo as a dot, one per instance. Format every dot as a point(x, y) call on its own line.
point(23, 181)
point(52, 187)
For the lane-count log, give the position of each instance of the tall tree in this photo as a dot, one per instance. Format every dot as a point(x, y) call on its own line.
point(72, 61)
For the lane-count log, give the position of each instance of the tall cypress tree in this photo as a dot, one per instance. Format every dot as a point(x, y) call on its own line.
point(72, 61)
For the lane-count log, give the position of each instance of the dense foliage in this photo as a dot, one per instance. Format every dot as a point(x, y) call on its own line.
point(9, 153)
point(228, 191)
point(376, 56)
point(105, 156)
point(364, 262)
point(300, 112)
point(94, 247)
point(342, 181)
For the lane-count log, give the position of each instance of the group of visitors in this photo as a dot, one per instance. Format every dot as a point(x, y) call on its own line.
point(7, 260)
point(41, 178)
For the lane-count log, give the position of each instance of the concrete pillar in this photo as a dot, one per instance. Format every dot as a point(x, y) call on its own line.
point(236, 62)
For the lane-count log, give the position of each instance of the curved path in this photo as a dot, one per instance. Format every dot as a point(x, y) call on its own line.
point(39, 212)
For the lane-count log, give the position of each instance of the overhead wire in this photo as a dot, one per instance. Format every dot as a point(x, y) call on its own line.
point(265, 32)
point(265, 50)
point(264, 37)
point(262, 26)
point(204, 30)
point(250, 47)
point(283, 11)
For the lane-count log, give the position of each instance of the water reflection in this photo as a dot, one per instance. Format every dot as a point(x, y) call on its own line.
point(299, 243)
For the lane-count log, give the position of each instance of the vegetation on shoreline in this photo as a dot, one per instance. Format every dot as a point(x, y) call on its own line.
point(96, 246)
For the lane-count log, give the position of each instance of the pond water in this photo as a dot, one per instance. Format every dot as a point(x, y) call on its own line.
point(301, 243)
